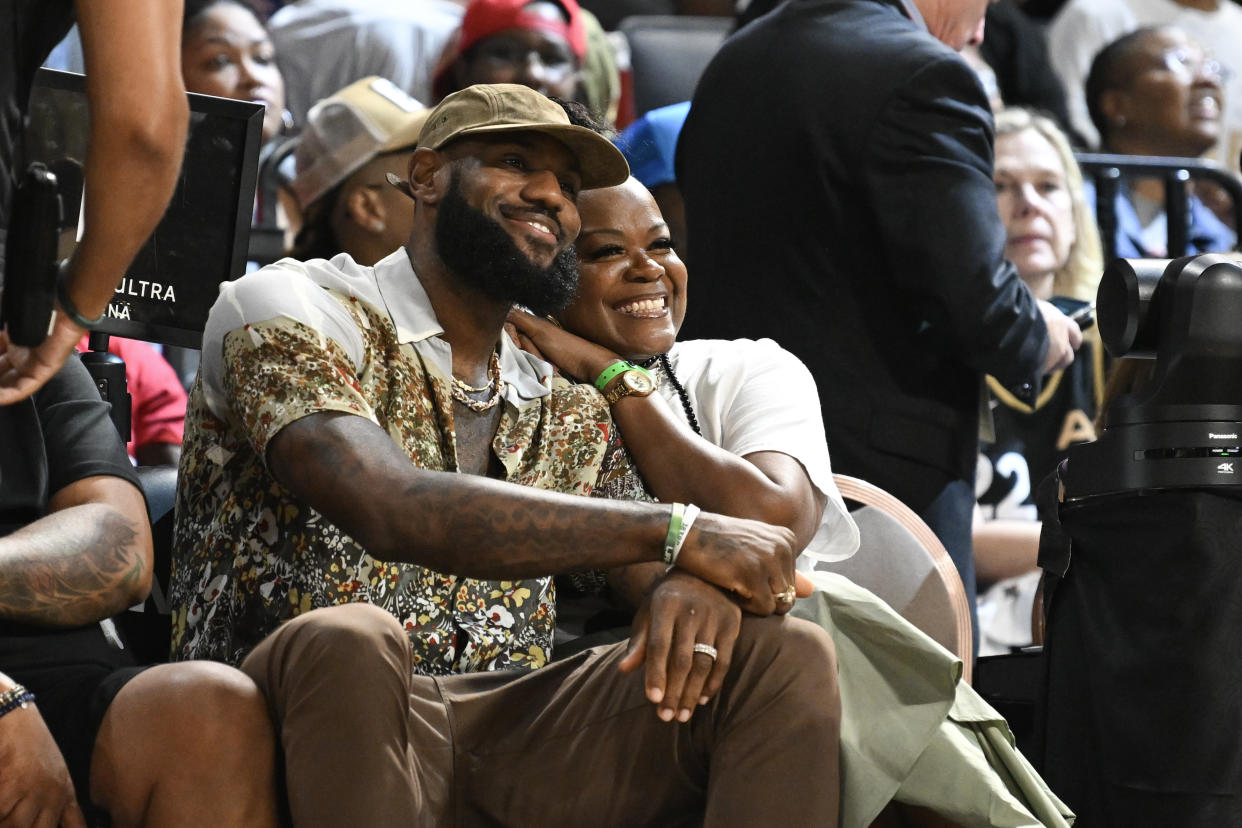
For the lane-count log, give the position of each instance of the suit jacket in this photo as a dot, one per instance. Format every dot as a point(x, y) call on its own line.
point(837, 171)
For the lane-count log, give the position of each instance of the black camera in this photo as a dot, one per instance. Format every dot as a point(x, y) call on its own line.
point(1182, 428)
point(32, 262)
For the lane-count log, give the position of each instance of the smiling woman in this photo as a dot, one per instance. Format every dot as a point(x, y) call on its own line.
point(763, 454)
point(735, 428)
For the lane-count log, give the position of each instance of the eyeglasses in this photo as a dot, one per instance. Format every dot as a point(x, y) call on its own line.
point(1190, 66)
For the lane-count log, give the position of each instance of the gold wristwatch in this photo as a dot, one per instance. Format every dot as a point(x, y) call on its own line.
point(633, 381)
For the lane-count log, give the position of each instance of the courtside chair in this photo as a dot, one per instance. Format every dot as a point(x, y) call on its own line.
point(668, 54)
point(903, 562)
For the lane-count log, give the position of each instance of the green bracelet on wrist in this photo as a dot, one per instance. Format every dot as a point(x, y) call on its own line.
point(671, 545)
point(610, 373)
point(616, 369)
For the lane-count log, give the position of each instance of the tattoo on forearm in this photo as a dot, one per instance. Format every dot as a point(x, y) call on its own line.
point(72, 570)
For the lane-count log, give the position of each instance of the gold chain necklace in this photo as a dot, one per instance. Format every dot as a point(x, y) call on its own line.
point(459, 389)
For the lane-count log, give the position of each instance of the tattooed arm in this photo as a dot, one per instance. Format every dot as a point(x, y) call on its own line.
point(352, 472)
point(87, 559)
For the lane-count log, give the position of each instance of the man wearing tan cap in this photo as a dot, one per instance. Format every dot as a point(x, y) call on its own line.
point(351, 141)
point(370, 436)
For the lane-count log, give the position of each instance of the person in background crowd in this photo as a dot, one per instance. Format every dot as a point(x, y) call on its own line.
point(1083, 28)
point(138, 122)
point(322, 46)
point(857, 227)
point(1155, 92)
point(352, 140)
point(1050, 236)
point(226, 52)
point(1014, 47)
point(649, 145)
point(538, 43)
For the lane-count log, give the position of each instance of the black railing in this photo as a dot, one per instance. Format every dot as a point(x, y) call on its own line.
point(1107, 171)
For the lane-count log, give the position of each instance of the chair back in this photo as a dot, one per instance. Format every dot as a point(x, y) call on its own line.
point(902, 561)
point(610, 13)
point(668, 54)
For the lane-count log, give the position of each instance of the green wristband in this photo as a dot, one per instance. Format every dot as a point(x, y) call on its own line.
point(671, 546)
point(616, 369)
point(610, 373)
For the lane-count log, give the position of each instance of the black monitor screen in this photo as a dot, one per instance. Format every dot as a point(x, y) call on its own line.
point(203, 237)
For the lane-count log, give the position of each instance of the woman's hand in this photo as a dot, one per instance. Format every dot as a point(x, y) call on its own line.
point(579, 358)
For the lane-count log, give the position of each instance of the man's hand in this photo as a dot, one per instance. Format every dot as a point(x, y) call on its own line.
point(573, 355)
point(752, 560)
point(679, 612)
point(24, 370)
point(1064, 338)
point(35, 788)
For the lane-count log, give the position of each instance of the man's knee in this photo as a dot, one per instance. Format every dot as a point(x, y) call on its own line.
point(205, 703)
point(343, 639)
point(348, 649)
point(191, 720)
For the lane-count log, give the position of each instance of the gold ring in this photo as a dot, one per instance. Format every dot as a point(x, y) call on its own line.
point(786, 597)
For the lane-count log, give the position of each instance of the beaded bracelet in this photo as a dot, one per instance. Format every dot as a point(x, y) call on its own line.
point(15, 697)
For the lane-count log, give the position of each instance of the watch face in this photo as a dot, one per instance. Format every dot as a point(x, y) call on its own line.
point(630, 383)
point(638, 382)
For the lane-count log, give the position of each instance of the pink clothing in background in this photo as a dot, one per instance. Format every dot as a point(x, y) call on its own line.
point(158, 414)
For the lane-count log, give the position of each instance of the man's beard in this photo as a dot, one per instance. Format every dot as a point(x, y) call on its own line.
point(485, 257)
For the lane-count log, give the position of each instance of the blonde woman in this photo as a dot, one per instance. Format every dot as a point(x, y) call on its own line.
point(1052, 239)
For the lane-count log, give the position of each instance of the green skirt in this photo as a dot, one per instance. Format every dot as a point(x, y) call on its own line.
point(911, 730)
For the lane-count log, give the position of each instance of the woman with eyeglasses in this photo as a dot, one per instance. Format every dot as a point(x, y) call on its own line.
point(1155, 92)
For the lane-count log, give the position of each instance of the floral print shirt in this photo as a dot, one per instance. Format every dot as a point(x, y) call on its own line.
point(298, 338)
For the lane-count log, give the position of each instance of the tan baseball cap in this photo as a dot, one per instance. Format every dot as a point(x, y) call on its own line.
point(347, 129)
point(491, 109)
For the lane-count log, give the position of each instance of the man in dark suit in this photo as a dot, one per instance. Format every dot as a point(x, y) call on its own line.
point(837, 171)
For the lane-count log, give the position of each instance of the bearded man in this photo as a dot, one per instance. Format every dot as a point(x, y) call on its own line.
point(370, 437)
